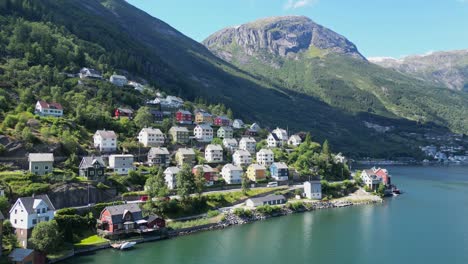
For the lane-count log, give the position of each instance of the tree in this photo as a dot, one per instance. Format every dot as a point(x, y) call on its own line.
point(245, 183)
point(156, 184)
point(326, 148)
point(217, 141)
point(4, 205)
point(185, 182)
point(381, 190)
point(143, 118)
point(199, 181)
point(46, 237)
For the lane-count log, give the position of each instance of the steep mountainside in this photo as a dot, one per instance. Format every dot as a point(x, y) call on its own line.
point(444, 68)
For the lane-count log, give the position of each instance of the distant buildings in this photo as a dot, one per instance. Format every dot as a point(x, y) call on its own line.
point(118, 80)
point(105, 140)
point(179, 134)
point(203, 133)
point(185, 156)
point(256, 172)
point(225, 132)
point(92, 168)
point(249, 144)
point(375, 176)
point(159, 156)
point(151, 137)
point(170, 176)
point(203, 117)
point(122, 164)
point(230, 144)
point(279, 171)
point(294, 140)
point(208, 173)
point(88, 73)
point(265, 157)
point(266, 200)
point(41, 163)
point(238, 124)
point(241, 158)
point(232, 174)
point(213, 153)
point(44, 108)
point(123, 112)
point(184, 117)
point(313, 189)
point(222, 121)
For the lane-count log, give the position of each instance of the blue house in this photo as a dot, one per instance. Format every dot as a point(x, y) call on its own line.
point(279, 171)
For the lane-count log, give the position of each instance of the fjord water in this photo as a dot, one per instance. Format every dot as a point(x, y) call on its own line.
point(427, 224)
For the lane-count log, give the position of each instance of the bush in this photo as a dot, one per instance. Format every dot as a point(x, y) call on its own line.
point(212, 213)
point(243, 212)
point(102, 186)
point(296, 206)
point(268, 209)
point(66, 211)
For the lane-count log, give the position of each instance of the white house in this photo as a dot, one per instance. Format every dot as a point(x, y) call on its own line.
point(230, 144)
point(44, 108)
point(266, 200)
point(170, 177)
point(41, 163)
point(203, 133)
point(273, 141)
point(118, 80)
point(282, 136)
point(242, 158)
point(238, 124)
point(294, 140)
point(255, 127)
point(313, 189)
point(214, 153)
point(232, 174)
point(225, 132)
point(371, 179)
point(27, 212)
point(249, 144)
point(151, 137)
point(105, 140)
point(90, 73)
point(174, 100)
point(121, 163)
point(265, 157)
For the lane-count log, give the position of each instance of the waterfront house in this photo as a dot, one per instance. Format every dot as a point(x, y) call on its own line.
point(118, 80)
point(214, 153)
point(121, 219)
point(279, 171)
point(230, 144)
point(151, 137)
point(254, 127)
point(41, 163)
point(265, 157)
point(383, 174)
point(122, 164)
point(184, 117)
point(249, 144)
point(159, 156)
point(208, 173)
point(155, 222)
point(44, 108)
point(123, 113)
point(266, 200)
point(238, 124)
point(27, 212)
point(24, 256)
point(232, 174)
point(256, 172)
point(370, 179)
point(105, 140)
point(92, 168)
point(273, 141)
point(203, 118)
point(170, 176)
point(222, 121)
point(225, 132)
point(88, 73)
point(203, 133)
point(185, 156)
point(179, 134)
point(294, 140)
point(241, 158)
point(313, 189)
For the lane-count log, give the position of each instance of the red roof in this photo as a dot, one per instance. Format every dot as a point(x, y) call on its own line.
point(52, 105)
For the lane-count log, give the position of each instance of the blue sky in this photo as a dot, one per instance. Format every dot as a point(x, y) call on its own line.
point(378, 27)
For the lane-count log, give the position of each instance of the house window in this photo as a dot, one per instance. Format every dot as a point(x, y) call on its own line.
point(16, 221)
point(36, 167)
point(99, 172)
point(47, 218)
point(91, 173)
point(34, 221)
point(43, 210)
point(46, 167)
point(38, 211)
point(16, 211)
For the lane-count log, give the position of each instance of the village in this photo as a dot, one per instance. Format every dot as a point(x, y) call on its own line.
point(224, 154)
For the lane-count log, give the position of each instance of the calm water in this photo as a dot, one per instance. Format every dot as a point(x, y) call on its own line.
point(428, 224)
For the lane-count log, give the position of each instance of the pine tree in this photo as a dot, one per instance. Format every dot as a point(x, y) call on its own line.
point(326, 148)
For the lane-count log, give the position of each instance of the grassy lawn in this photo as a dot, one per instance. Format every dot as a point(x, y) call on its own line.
point(90, 241)
point(216, 200)
point(192, 223)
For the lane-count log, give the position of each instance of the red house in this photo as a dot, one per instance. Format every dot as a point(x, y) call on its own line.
point(383, 173)
point(184, 117)
point(123, 112)
point(222, 121)
point(156, 222)
point(208, 172)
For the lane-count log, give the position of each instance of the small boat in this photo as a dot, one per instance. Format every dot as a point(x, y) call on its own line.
point(127, 245)
point(396, 191)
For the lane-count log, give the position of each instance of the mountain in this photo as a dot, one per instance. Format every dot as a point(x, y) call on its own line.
point(39, 40)
point(443, 68)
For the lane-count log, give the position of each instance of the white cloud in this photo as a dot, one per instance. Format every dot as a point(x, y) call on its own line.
point(295, 4)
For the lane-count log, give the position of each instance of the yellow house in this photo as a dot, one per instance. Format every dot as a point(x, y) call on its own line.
point(256, 172)
point(203, 117)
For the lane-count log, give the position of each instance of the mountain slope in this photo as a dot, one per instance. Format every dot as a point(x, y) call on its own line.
point(332, 70)
point(444, 68)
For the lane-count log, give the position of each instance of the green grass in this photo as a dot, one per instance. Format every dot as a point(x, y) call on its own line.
point(90, 241)
point(192, 223)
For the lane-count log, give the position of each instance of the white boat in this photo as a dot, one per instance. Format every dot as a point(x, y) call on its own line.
point(127, 245)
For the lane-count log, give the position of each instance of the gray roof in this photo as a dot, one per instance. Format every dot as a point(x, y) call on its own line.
point(88, 162)
point(205, 126)
point(247, 139)
point(206, 168)
point(151, 130)
point(115, 76)
point(18, 254)
point(173, 170)
point(296, 137)
point(268, 198)
point(185, 112)
point(117, 212)
point(266, 151)
point(106, 133)
point(274, 136)
point(214, 147)
point(280, 165)
point(233, 167)
point(226, 128)
point(186, 151)
point(28, 202)
point(40, 157)
point(179, 129)
point(158, 151)
point(242, 152)
point(257, 166)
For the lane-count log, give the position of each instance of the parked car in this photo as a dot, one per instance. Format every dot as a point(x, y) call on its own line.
point(272, 184)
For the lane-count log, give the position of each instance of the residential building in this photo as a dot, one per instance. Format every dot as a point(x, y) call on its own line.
point(120, 219)
point(157, 115)
point(266, 200)
point(370, 179)
point(25, 256)
point(214, 153)
point(44, 108)
point(41, 163)
point(238, 124)
point(92, 168)
point(118, 80)
point(294, 140)
point(230, 144)
point(123, 113)
point(159, 156)
point(225, 132)
point(122, 164)
point(203, 118)
point(185, 156)
point(249, 144)
point(383, 174)
point(151, 137)
point(256, 172)
point(184, 117)
point(222, 121)
point(279, 171)
point(179, 134)
point(265, 157)
point(273, 141)
point(27, 212)
point(136, 85)
point(170, 175)
point(208, 173)
point(232, 174)
point(174, 100)
point(203, 133)
point(255, 127)
point(250, 133)
point(241, 158)
point(281, 135)
point(88, 73)
point(105, 140)
point(313, 189)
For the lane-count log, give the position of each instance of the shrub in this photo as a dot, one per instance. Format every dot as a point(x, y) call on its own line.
point(212, 213)
point(296, 206)
point(243, 212)
point(268, 209)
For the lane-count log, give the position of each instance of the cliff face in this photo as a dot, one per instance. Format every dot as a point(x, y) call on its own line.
point(280, 36)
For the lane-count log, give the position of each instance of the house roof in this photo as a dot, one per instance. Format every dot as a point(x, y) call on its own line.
point(106, 134)
point(295, 137)
point(19, 254)
point(248, 139)
point(88, 162)
point(179, 129)
point(257, 167)
point(239, 121)
point(28, 202)
point(186, 151)
point(117, 212)
point(151, 130)
point(242, 152)
point(125, 110)
point(223, 118)
point(267, 198)
point(158, 151)
point(121, 156)
point(115, 76)
point(214, 147)
point(206, 168)
point(226, 128)
point(185, 112)
point(41, 157)
point(231, 166)
point(274, 136)
point(204, 114)
point(151, 218)
point(230, 141)
point(173, 170)
point(266, 151)
point(51, 105)
point(204, 126)
point(91, 71)
point(280, 165)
